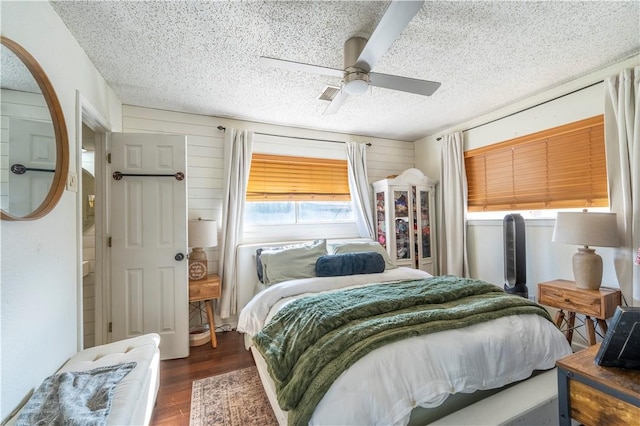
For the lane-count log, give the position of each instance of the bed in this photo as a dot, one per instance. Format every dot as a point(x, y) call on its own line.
point(418, 370)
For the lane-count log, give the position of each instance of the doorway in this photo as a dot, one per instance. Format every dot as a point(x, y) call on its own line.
point(92, 199)
point(88, 261)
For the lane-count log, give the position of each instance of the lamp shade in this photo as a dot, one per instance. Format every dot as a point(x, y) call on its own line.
point(586, 228)
point(203, 233)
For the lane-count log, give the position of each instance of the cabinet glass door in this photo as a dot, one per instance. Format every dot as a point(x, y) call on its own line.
point(381, 227)
point(425, 225)
point(402, 224)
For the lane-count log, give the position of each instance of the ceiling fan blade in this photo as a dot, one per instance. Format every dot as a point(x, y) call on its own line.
point(395, 19)
point(336, 103)
point(405, 84)
point(298, 66)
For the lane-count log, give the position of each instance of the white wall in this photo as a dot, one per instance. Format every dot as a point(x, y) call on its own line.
point(205, 163)
point(545, 260)
point(205, 146)
point(39, 269)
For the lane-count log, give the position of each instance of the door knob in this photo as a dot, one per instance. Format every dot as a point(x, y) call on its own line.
point(179, 257)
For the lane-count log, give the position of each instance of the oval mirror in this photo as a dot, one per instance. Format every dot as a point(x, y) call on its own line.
point(34, 145)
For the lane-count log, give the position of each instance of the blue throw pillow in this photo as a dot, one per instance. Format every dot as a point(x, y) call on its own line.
point(333, 265)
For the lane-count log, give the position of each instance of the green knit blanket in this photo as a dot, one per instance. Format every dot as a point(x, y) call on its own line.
point(312, 340)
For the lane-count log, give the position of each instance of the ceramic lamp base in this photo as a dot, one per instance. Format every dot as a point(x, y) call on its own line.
point(587, 269)
point(198, 264)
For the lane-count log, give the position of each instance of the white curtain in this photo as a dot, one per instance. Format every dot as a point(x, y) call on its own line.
point(237, 162)
point(452, 229)
point(622, 140)
point(359, 188)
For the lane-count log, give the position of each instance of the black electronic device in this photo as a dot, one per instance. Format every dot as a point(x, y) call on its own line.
point(621, 344)
point(515, 256)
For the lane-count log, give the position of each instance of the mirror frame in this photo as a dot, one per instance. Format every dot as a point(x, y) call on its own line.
point(60, 131)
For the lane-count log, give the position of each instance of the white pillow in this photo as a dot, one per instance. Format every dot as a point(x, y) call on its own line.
point(292, 263)
point(357, 247)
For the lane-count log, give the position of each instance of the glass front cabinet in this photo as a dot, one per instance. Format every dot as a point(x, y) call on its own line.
point(405, 219)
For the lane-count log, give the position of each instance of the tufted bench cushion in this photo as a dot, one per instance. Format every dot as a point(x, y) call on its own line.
point(135, 395)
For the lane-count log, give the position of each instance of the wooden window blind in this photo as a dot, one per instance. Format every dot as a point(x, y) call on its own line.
point(284, 178)
point(563, 167)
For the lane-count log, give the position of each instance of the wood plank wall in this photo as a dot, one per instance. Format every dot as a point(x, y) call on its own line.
point(205, 152)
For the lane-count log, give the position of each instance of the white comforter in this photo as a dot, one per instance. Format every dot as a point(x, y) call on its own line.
point(384, 386)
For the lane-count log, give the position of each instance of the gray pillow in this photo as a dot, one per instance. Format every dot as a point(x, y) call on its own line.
point(259, 255)
point(292, 263)
point(357, 247)
point(259, 251)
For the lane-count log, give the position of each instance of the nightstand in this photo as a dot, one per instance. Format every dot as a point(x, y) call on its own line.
point(595, 395)
point(206, 291)
point(564, 295)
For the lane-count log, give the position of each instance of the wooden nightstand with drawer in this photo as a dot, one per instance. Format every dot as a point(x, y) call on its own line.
point(206, 291)
point(597, 304)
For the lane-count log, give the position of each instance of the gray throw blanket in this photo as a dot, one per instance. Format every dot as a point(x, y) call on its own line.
point(74, 398)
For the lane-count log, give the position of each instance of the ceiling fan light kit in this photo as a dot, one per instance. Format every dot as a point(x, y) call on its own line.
point(356, 82)
point(361, 55)
point(356, 75)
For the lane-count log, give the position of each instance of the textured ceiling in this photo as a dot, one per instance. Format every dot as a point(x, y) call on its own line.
point(15, 75)
point(202, 57)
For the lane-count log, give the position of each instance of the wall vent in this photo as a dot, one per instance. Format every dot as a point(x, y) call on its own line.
point(329, 93)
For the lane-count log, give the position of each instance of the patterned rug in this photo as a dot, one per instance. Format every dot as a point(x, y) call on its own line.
point(231, 399)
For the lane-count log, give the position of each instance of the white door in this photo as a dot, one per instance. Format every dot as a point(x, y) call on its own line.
point(33, 163)
point(149, 277)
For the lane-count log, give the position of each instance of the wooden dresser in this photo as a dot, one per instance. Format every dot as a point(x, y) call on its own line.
point(594, 395)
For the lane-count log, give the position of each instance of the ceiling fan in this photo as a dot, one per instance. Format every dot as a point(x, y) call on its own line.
point(361, 55)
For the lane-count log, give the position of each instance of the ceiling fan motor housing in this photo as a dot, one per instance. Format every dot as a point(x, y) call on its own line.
point(356, 78)
point(352, 50)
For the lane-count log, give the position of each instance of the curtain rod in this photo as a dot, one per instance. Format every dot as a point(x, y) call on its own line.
point(295, 137)
point(531, 107)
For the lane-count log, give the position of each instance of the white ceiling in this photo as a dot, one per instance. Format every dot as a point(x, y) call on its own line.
point(202, 57)
point(15, 75)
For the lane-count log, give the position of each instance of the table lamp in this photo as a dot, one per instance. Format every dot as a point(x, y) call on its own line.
point(202, 233)
point(586, 229)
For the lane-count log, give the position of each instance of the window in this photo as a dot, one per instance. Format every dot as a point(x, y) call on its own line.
point(286, 190)
point(563, 167)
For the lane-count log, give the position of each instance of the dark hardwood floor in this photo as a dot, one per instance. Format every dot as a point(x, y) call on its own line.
point(176, 376)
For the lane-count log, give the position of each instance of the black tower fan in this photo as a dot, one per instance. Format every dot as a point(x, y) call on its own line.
point(515, 258)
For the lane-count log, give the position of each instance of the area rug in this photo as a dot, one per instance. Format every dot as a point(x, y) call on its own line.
point(231, 399)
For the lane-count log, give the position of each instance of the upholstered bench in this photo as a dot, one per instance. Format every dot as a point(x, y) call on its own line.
point(134, 396)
